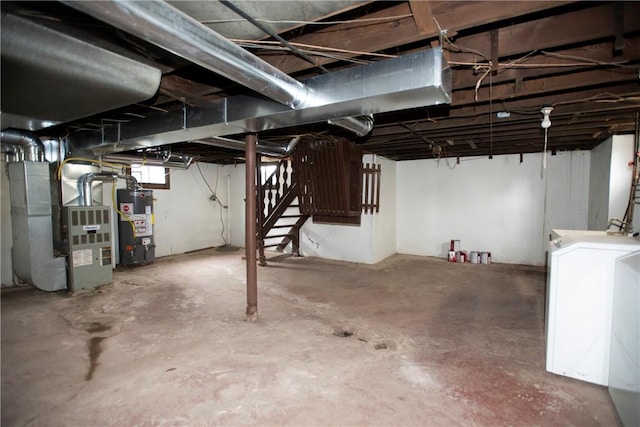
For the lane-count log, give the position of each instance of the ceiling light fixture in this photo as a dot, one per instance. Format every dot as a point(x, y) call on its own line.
point(546, 121)
point(546, 124)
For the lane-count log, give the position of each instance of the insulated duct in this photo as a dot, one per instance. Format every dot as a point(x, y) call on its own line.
point(28, 141)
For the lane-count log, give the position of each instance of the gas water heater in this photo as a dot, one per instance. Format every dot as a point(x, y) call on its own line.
point(135, 226)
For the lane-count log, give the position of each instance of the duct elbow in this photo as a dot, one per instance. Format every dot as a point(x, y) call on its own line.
point(28, 141)
point(360, 125)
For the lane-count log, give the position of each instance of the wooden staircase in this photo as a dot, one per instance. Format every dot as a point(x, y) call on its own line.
point(279, 218)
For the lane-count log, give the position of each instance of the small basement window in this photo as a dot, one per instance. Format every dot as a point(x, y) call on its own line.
point(151, 177)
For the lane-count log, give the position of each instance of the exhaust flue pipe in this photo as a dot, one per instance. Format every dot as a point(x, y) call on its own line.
point(28, 141)
point(85, 181)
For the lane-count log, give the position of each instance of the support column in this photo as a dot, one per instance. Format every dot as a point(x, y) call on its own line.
point(250, 227)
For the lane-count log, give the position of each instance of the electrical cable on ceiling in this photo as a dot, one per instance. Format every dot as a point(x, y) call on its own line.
point(317, 47)
point(313, 50)
point(273, 34)
point(313, 53)
point(285, 21)
point(490, 119)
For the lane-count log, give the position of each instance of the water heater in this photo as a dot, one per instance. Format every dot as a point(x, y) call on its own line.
point(135, 226)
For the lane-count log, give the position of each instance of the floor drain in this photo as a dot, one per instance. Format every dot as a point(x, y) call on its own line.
point(342, 333)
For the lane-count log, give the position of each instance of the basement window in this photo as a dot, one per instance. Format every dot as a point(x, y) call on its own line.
point(151, 177)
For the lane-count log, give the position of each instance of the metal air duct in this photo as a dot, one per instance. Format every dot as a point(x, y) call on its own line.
point(169, 28)
point(32, 251)
point(28, 141)
point(50, 75)
point(85, 181)
point(359, 125)
point(173, 161)
point(410, 81)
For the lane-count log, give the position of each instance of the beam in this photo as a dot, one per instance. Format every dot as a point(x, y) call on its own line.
point(547, 85)
point(554, 31)
point(603, 52)
point(423, 17)
point(564, 104)
point(376, 37)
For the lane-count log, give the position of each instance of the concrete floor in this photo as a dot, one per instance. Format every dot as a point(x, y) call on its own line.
point(409, 341)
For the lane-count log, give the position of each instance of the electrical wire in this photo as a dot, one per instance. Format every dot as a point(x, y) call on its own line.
point(84, 159)
point(215, 199)
point(490, 119)
point(455, 48)
point(125, 216)
point(312, 53)
point(215, 187)
point(295, 22)
point(544, 151)
point(269, 31)
point(316, 47)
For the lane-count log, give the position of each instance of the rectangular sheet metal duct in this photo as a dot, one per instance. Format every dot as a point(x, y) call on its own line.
point(416, 80)
point(32, 251)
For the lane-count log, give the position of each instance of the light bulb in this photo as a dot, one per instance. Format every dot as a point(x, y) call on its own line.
point(546, 122)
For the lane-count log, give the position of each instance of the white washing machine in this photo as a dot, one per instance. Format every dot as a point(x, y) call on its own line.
point(579, 303)
point(624, 364)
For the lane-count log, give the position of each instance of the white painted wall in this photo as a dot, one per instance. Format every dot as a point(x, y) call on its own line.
point(490, 205)
point(610, 181)
point(236, 176)
point(368, 243)
point(185, 218)
point(567, 192)
point(599, 185)
point(621, 172)
point(384, 222)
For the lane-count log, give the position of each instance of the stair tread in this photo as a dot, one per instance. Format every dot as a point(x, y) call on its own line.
point(273, 245)
point(283, 226)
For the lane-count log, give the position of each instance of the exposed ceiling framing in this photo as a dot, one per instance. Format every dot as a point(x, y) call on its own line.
point(582, 58)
